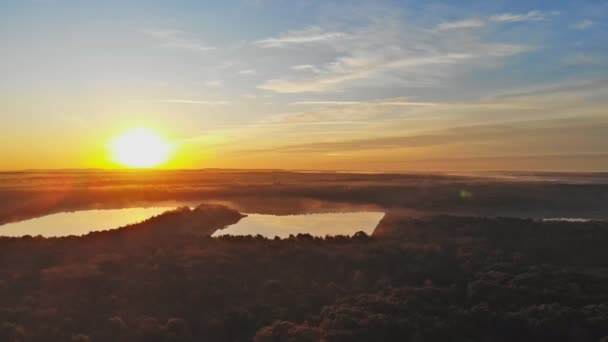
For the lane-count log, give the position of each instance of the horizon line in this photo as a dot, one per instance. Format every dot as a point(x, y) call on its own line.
point(93, 169)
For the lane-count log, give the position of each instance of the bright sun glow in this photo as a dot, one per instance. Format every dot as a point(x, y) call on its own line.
point(140, 148)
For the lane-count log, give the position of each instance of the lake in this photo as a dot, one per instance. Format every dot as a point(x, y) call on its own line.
point(314, 224)
point(79, 222)
point(85, 221)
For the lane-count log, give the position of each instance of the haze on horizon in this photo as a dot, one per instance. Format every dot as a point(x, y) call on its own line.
point(373, 85)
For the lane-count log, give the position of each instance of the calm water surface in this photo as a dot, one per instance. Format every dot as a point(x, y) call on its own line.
point(79, 222)
point(85, 221)
point(314, 224)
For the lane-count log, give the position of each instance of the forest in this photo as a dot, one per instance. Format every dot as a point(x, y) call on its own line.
point(434, 278)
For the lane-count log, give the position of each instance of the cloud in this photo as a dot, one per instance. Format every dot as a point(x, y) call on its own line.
point(584, 59)
point(460, 24)
point(502, 17)
point(213, 83)
point(325, 103)
point(583, 97)
point(310, 123)
point(247, 72)
point(441, 137)
point(325, 116)
point(306, 67)
point(336, 112)
point(383, 52)
point(570, 87)
point(310, 35)
point(199, 102)
point(347, 69)
point(583, 24)
point(389, 128)
point(170, 38)
point(467, 135)
point(369, 144)
point(395, 102)
point(534, 15)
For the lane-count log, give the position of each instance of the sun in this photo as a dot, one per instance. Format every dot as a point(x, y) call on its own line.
point(140, 148)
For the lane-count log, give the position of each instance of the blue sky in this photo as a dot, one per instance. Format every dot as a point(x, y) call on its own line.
point(394, 85)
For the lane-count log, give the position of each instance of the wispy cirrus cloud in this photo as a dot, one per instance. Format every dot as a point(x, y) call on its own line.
point(387, 52)
point(390, 102)
point(336, 112)
point(310, 35)
point(460, 24)
point(542, 100)
point(582, 58)
point(306, 67)
point(349, 69)
point(196, 102)
point(469, 134)
point(177, 39)
point(247, 72)
point(534, 15)
point(580, 87)
point(213, 83)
